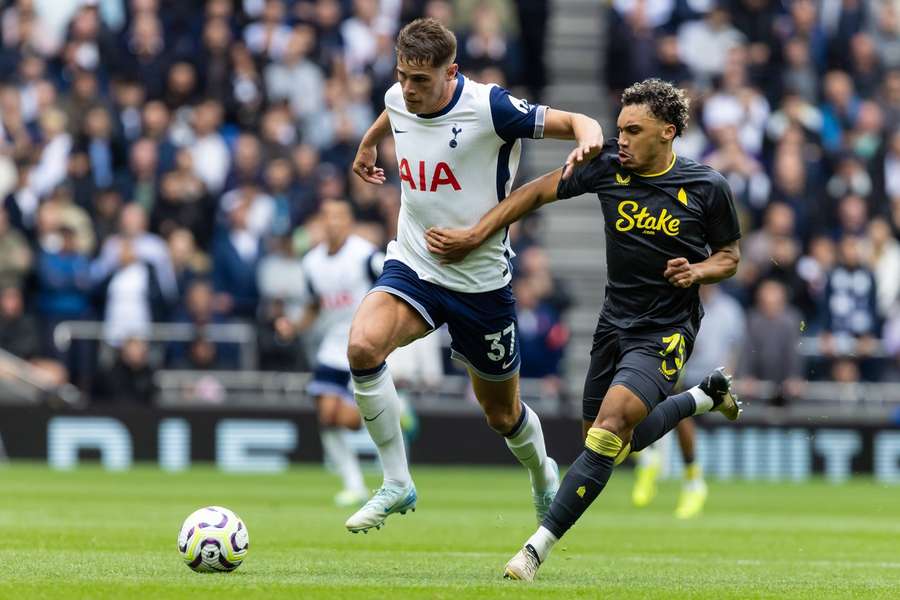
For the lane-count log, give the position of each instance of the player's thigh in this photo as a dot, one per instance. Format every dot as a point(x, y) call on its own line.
point(497, 397)
point(621, 412)
point(382, 323)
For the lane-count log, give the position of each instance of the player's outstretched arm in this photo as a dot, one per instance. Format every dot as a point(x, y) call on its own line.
point(721, 264)
point(586, 132)
point(453, 245)
point(364, 163)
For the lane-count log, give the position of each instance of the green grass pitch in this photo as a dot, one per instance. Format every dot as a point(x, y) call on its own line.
point(92, 534)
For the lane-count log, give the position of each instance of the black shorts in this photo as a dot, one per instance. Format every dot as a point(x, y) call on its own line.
point(648, 363)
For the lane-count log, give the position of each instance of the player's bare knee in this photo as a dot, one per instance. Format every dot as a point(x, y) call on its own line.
point(363, 354)
point(616, 424)
point(501, 419)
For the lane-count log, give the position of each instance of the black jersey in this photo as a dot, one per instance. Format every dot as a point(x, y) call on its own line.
point(683, 211)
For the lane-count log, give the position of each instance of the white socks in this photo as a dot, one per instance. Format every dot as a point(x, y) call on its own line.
point(344, 459)
point(542, 541)
point(702, 400)
point(379, 407)
point(527, 444)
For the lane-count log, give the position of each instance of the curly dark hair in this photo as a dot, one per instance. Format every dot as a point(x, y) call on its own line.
point(664, 101)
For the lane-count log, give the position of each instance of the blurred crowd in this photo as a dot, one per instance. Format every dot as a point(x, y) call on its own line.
point(164, 161)
point(798, 105)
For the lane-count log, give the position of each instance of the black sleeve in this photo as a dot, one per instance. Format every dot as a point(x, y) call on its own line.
point(722, 226)
point(584, 179)
point(581, 181)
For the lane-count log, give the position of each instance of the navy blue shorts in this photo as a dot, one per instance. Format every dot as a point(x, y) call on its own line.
point(328, 381)
point(483, 326)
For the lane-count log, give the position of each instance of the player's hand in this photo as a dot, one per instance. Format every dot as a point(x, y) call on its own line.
point(450, 245)
point(681, 273)
point(583, 153)
point(364, 165)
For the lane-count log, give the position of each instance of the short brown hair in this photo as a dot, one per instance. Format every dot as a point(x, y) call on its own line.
point(425, 42)
point(666, 102)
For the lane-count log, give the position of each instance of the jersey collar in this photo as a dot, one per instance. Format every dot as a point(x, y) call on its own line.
point(460, 80)
point(663, 172)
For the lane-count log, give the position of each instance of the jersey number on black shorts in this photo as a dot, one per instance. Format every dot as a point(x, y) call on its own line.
point(674, 348)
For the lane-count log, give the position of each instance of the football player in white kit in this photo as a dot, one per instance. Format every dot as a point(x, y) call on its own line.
point(339, 272)
point(458, 146)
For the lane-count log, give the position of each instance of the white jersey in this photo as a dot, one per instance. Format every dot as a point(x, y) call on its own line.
point(455, 165)
point(339, 282)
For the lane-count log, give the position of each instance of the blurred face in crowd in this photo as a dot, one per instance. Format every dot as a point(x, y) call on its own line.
point(306, 159)
point(850, 251)
point(279, 175)
point(97, 123)
point(182, 79)
point(822, 250)
point(199, 300)
point(134, 352)
point(203, 353)
point(156, 118)
point(300, 44)
point(108, 204)
point(133, 221)
point(337, 218)
point(441, 10)
point(11, 304)
point(181, 246)
point(838, 89)
point(879, 232)
point(790, 172)
point(784, 251)
point(365, 10)
point(853, 213)
point(328, 13)
point(144, 157)
point(217, 36)
point(845, 370)
point(779, 219)
point(771, 298)
point(247, 155)
point(426, 89)
point(643, 139)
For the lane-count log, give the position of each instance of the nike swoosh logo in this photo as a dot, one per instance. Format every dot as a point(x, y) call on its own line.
point(375, 417)
point(506, 365)
point(398, 131)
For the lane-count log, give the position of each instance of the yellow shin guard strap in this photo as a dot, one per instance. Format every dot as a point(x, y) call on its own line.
point(622, 455)
point(603, 442)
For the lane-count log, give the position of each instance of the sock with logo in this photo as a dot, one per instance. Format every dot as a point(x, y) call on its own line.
point(583, 482)
point(526, 442)
point(378, 404)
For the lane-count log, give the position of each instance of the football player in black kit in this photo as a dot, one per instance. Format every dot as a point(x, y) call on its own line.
point(670, 227)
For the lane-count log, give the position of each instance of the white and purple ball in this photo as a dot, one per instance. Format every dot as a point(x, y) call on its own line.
point(213, 539)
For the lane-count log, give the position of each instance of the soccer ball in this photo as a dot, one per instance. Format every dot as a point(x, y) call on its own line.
point(213, 539)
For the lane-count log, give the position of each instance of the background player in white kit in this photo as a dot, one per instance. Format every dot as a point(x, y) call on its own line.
point(458, 146)
point(339, 272)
